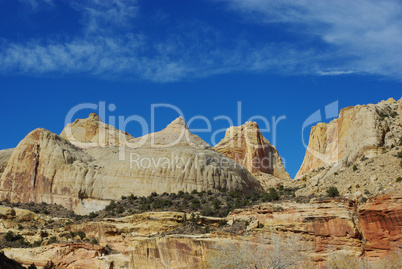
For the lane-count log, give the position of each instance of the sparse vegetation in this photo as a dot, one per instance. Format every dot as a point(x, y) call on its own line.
point(364, 158)
point(399, 179)
point(355, 167)
point(332, 191)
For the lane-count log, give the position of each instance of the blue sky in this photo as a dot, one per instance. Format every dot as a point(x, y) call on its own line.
point(278, 58)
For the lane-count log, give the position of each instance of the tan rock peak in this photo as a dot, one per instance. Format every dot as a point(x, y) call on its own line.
point(93, 116)
point(92, 132)
point(247, 146)
point(175, 134)
point(178, 123)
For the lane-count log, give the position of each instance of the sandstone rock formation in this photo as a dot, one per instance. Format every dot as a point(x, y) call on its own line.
point(327, 227)
point(380, 222)
point(360, 131)
point(92, 132)
point(45, 167)
point(246, 145)
point(5, 155)
point(366, 178)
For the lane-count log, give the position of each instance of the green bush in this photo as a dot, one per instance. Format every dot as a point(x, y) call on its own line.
point(222, 222)
point(111, 206)
point(81, 234)
point(332, 191)
point(52, 240)
point(10, 236)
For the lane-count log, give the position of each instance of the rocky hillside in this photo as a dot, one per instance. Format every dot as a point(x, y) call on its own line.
point(45, 167)
point(360, 131)
point(159, 240)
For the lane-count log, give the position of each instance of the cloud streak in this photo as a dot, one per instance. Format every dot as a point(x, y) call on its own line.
point(359, 36)
point(364, 36)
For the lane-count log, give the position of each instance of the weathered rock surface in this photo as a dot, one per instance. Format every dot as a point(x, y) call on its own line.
point(365, 179)
point(360, 131)
point(328, 227)
point(45, 167)
point(380, 222)
point(246, 145)
point(5, 155)
point(92, 132)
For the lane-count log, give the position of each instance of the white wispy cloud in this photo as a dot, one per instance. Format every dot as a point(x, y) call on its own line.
point(365, 36)
point(35, 3)
point(361, 36)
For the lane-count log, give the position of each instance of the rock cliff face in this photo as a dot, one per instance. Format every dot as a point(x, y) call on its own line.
point(45, 167)
point(246, 145)
point(380, 222)
point(326, 228)
point(360, 131)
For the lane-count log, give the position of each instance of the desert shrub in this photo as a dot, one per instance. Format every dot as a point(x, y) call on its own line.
point(32, 266)
point(354, 167)
point(52, 240)
point(81, 234)
point(94, 241)
point(399, 179)
point(111, 206)
point(366, 192)
point(399, 154)
point(37, 244)
point(336, 173)
point(49, 265)
point(222, 222)
point(332, 191)
point(260, 225)
point(10, 236)
point(363, 158)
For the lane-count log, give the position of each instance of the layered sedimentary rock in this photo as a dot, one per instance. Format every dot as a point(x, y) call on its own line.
point(326, 228)
point(380, 223)
point(360, 131)
point(45, 167)
point(246, 145)
point(92, 132)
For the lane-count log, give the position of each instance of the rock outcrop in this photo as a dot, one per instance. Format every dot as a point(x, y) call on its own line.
point(326, 228)
point(246, 145)
point(380, 222)
point(92, 132)
point(45, 167)
point(5, 155)
point(360, 131)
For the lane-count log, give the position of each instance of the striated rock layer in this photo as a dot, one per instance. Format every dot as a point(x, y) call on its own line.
point(360, 131)
point(246, 145)
point(45, 167)
point(325, 228)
